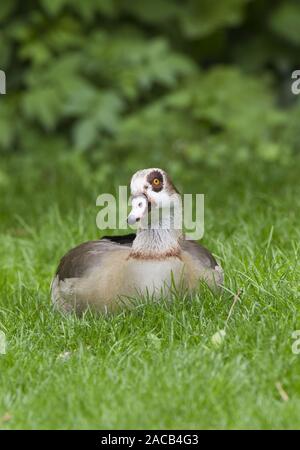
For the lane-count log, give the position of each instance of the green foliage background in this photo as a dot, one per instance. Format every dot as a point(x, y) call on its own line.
point(162, 82)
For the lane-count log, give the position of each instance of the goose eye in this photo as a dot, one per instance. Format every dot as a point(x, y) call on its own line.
point(156, 181)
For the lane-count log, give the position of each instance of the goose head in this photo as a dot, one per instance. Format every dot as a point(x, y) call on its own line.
point(151, 189)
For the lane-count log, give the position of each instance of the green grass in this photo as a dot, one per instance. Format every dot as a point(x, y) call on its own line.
point(155, 366)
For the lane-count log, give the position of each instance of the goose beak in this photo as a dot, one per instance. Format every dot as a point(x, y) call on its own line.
point(139, 208)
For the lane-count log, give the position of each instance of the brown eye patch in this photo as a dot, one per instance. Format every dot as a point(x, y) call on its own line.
point(156, 180)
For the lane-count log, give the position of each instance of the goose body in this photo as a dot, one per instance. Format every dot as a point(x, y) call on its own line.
point(107, 274)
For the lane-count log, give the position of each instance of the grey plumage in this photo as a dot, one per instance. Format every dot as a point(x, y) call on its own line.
point(90, 254)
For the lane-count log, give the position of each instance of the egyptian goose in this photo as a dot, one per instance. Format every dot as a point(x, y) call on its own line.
point(107, 274)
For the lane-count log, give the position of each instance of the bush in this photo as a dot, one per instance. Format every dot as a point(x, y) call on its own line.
point(169, 83)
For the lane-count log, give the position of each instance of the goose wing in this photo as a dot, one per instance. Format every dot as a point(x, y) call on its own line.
point(199, 253)
point(90, 254)
point(205, 263)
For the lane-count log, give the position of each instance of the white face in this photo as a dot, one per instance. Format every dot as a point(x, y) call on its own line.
point(150, 186)
point(152, 183)
point(139, 209)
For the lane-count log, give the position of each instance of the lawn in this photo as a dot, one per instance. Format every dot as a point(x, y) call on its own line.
point(155, 366)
